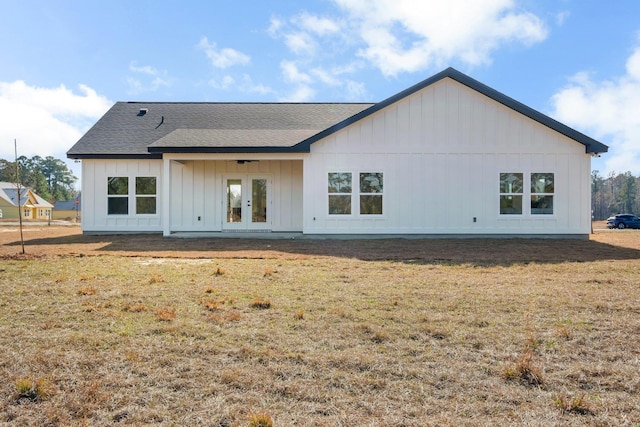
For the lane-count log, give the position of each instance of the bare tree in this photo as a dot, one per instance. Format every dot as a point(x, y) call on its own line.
point(19, 191)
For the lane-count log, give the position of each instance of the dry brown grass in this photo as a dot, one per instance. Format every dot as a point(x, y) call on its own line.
point(166, 314)
point(33, 391)
point(367, 336)
point(260, 420)
point(261, 303)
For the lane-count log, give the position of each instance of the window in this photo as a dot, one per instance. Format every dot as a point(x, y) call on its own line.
point(145, 195)
point(371, 186)
point(340, 187)
point(369, 196)
point(542, 190)
point(539, 187)
point(511, 189)
point(118, 195)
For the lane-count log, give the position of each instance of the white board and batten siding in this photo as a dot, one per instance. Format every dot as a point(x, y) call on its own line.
point(198, 191)
point(196, 194)
point(441, 151)
point(95, 174)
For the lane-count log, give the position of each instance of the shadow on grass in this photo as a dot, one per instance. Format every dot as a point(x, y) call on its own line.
point(481, 252)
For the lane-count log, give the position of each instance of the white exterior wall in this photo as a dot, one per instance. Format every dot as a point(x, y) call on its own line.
point(441, 151)
point(198, 190)
point(94, 195)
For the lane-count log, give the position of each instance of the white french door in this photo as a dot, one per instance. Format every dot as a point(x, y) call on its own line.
point(247, 205)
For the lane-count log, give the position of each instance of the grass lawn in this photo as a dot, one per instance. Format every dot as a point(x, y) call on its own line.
point(311, 339)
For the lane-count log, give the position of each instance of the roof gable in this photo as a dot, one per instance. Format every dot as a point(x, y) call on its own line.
point(591, 145)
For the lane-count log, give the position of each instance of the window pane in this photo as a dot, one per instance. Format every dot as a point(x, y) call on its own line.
point(118, 185)
point(259, 200)
point(234, 200)
point(541, 205)
point(371, 182)
point(339, 205)
point(145, 205)
point(511, 183)
point(145, 185)
point(118, 206)
point(340, 182)
point(511, 205)
point(370, 205)
point(542, 183)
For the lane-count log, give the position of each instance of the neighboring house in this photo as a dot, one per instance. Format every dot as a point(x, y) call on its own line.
point(32, 205)
point(448, 156)
point(69, 210)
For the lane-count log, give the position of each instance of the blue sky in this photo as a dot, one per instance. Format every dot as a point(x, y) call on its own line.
point(63, 63)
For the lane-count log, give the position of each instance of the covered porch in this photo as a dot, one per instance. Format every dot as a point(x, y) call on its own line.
point(231, 194)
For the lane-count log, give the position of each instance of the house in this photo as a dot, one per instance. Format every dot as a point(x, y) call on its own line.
point(32, 205)
point(448, 156)
point(68, 210)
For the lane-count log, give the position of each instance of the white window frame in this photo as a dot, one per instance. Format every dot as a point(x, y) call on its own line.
point(512, 194)
point(132, 196)
point(141, 196)
point(526, 195)
point(381, 195)
point(118, 196)
point(543, 194)
point(338, 215)
point(356, 193)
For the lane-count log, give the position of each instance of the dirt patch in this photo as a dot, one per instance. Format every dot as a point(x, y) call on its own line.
point(44, 241)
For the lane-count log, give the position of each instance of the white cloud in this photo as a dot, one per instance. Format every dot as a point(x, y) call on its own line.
point(46, 121)
point(247, 85)
point(561, 17)
point(225, 82)
point(301, 93)
point(355, 91)
point(223, 58)
point(399, 36)
point(146, 69)
point(300, 43)
point(275, 24)
point(154, 79)
point(328, 78)
point(412, 35)
point(292, 74)
point(607, 110)
point(317, 25)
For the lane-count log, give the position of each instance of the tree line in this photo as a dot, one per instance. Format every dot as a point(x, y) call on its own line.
point(613, 194)
point(48, 177)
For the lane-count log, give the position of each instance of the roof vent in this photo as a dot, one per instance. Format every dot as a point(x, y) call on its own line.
point(142, 112)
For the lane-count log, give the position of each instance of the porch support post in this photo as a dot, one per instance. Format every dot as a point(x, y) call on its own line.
point(166, 196)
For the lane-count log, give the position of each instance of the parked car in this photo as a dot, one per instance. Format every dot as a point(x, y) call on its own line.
point(623, 221)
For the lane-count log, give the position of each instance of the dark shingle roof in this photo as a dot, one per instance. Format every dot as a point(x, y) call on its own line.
point(67, 205)
point(124, 132)
point(206, 127)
